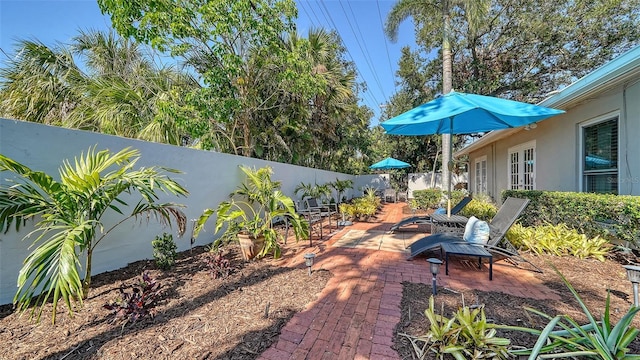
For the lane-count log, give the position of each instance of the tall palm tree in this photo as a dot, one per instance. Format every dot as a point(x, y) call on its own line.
point(119, 91)
point(40, 84)
point(70, 213)
point(433, 20)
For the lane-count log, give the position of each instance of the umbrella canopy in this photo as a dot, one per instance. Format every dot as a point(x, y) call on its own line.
point(460, 113)
point(389, 163)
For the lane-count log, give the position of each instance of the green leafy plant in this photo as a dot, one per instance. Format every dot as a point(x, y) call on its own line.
point(558, 240)
point(466, 335)
point(362, 208)
point(140, 302)
point(164, 251)
point(340, 186)
point(563, 337)
point(321, 192)
point(480, 206)
point(605, 215)
point(70, 213)
point(427, 198)
point(252, 210)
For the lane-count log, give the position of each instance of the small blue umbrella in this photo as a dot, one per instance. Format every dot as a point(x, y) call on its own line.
point(389, 163)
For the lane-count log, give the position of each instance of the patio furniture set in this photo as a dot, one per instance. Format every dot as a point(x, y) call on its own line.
point(447, 236)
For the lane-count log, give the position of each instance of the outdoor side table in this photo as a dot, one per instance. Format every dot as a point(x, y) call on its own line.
point(466, 249)
point(441, 223)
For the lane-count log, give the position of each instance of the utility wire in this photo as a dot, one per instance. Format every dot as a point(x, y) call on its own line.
point(365, 52)
point(386, 46)
point(348, 52)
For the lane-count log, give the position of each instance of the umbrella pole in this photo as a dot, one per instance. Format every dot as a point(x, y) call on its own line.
point(450, 168)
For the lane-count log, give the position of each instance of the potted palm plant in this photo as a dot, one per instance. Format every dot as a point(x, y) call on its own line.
point(250, 214)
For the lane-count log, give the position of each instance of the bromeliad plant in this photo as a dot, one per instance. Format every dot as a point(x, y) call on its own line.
point(253, 209)
point(69, 216)
point(467, 335)
point(563, 337)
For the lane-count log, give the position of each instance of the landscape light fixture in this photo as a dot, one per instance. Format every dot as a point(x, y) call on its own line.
point(308, 260)
point(434, 266)
point(633, 274)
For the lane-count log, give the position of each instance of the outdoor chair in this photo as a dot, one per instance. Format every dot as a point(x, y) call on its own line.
point(389, 195)
point(498, 244)
point(328, 211)
point(426, 219)
point(314, 218)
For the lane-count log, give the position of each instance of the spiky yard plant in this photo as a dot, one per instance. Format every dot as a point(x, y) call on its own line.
point(68, 215)
point(466, 335)
point(564, 337)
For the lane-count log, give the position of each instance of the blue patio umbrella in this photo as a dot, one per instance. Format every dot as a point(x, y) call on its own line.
point(461, 113)
point(389, 163)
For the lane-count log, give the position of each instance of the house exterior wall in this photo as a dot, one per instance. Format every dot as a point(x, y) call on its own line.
point(558, 145)
point(208, 176)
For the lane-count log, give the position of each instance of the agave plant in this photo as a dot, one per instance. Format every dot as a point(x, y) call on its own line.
point(595, 340)
point(69, 214)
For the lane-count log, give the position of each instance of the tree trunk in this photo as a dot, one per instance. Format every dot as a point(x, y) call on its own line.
point(447, 86)
point(433, 172)
point(86, 283)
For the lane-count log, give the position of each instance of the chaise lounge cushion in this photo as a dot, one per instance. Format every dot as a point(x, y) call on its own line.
point(476, 231)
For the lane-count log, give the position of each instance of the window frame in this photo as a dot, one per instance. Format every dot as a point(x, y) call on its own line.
point(614, 115)
point(520, 148)
point(484, 181)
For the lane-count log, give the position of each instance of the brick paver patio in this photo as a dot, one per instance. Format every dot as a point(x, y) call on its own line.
point(354, 316)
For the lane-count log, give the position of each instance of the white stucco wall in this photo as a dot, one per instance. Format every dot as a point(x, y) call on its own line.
point(558, 153)
point(421, 181)
point(209, 177)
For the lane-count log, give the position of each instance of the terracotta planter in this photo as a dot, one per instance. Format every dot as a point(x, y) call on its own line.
point(250, 246)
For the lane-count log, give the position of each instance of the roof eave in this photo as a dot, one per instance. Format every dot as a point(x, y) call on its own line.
point(619, 71)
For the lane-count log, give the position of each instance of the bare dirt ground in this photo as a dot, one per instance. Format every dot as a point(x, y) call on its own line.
point(202, 317)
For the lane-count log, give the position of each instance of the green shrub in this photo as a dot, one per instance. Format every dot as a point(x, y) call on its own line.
point(164, 251)
point(467, 335)
point(481, 207)
point(604, 215)
point(363, 207)
point(427, 199)
point(558, 240)
point(456, 196)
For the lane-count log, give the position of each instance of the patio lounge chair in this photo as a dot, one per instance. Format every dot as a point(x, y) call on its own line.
point(427, 219)
point(498, 245)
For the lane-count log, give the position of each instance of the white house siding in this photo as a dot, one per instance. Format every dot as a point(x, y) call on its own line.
point(209, 177)
point(558, 153)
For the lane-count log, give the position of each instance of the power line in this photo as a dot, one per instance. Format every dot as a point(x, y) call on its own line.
point(347, 49)
point(386, 46)
point(365, 52)
point(306, 13)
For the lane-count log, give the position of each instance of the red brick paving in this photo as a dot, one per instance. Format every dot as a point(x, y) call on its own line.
point(354, 316)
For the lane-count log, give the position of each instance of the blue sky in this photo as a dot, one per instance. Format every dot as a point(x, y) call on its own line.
point(359, 22)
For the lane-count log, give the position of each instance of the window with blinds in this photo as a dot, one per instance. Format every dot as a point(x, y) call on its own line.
point(600, 157)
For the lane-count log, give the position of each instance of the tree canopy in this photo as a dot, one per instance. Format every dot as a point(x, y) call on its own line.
point(519, 50)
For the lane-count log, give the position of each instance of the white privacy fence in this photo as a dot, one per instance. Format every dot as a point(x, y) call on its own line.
point(421, 181)
point(208, 176)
